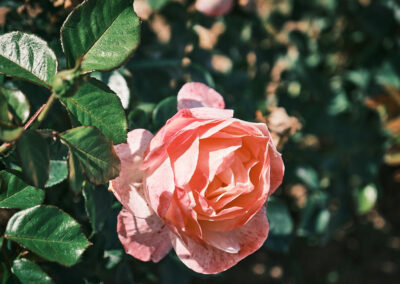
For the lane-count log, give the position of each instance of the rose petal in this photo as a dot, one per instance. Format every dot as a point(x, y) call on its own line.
point(216, 129)
point(214, 8)
point(262, 127)
point(225, 241)
point(210, 113)
point(277, 168)
point(159, 187)
point(182, 215)
point(196, 94)
point(184, 154)
point(127, 187)
point(181, 123)
point(216, 155)
point(145, 239)
point(207, 259)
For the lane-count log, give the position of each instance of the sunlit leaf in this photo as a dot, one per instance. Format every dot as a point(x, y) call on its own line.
point(103, 32)
point(309, 176)
point(18, 103)
point(95, 104)
point(366, 198)
point(15, 193)
point(27, 57)
point(29, 272)
point(48, 232)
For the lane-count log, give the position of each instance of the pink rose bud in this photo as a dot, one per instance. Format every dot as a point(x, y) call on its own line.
point(214, 8)
point(200, 185)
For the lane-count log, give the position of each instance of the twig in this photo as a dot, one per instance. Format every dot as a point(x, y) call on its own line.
point(34, 121)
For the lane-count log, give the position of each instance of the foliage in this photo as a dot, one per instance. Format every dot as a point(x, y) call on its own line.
point(333, 64)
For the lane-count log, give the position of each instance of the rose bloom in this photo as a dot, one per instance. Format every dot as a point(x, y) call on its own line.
point(200, 185)
point(214, 8)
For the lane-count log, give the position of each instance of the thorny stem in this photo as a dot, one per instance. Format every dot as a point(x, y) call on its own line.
point(35, 120)
point(32, 119)
point(43, 114)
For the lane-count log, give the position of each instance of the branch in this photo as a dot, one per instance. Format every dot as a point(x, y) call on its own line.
point(34, 121)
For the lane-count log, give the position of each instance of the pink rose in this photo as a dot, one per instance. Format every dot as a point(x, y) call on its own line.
point(214, 8)
point(200, 185)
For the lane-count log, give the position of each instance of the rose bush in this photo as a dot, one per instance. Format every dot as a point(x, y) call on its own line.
point(214, 8)
point(200, 185)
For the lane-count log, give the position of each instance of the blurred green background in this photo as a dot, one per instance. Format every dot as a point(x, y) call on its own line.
point(323, 74)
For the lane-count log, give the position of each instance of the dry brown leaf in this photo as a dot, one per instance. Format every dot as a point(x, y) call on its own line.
point(299, 193)
point(3, 15)
point(142, 9)
point(392, 156)
point(68, 4)
point(280, 124)
point(221, 63)
point(208, 38)
point(161, 28)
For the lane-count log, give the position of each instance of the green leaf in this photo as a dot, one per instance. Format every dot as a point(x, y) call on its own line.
point(387, 75)
point(104, 33)
point(123, 273)
point(27, 57)
point(29, 272)
point(18, 103)
point(48, 232)
point(113, 257)
point(34, 155)
point(9, 132)
point(4, 116)
point(58, 172)
point(76, 177)
point(95, 104)
point(157, 4)
point(164, 111)
point(141, 116)
point(315, 218)
point(94, 152)
point(58, 163)
point(98, 203)
point(117, 82)
point(366, 198)
point(281, 225)
point(138, 118)
point(5, 274)
point(279, 217)
point(322, 221)
point(15, 193)
point(309, 176)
